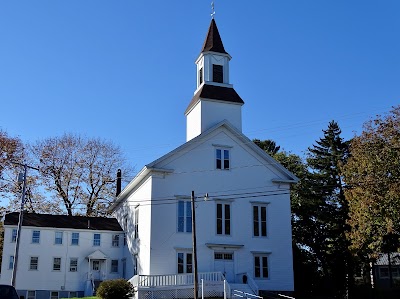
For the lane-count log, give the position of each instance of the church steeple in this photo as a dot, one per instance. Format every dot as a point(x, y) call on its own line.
point(215, 99)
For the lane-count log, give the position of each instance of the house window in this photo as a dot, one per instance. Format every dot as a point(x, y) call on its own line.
point(58, 238)
point(11, 262)
point(135, 265)
point(36, 236)
point(73, 294)
point(57, 264)
point(184, 216)
point(185, 262)
point(96, 239)
point(125, 239)
point(259, 221)
point(73, 264)
point(115, 240)
point(384, 272)
point(114, 266)
point(223, 219)
point(200, 76)
point(14, 235)
point(223, 256)
point(261, 266)
point(33, 265)
point(218, 73)
point(53, 295)
point(222, 159)
point(136, 235)
point(31, 295)
point(75, 239)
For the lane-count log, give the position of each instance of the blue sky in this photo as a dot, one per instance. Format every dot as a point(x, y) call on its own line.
point(124, 70)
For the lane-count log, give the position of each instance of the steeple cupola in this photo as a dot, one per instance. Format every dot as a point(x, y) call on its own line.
point(215, 99)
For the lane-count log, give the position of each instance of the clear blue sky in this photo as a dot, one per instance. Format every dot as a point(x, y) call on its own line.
point(124, 70)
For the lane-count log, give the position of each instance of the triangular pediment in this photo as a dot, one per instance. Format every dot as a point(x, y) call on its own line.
point(97, 255)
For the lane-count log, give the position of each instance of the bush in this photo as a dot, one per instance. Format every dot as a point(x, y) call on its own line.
point(115, 288)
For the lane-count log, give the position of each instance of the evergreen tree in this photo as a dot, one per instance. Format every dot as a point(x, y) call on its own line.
point(325, 159)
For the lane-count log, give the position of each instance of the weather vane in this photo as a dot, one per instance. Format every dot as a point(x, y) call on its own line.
point(212, 10)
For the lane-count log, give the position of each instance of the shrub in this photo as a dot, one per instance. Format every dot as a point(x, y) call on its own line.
point(115, 288)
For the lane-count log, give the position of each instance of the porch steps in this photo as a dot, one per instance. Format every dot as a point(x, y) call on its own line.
point(240, 288)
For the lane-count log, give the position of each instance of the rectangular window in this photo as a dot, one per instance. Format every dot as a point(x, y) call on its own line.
point(185, 262)
point(73, 264)
point(33, 265)
point(31, 295)
point(96, 266)
point(222, 159)
point(96, 239)
point(57, 264)
point(218, 73)
point(261, 266)
point(136, 223)
point(115, 240)
point(223, 219)
point(184, 216)
point(259, 221)
point(14, 235)
point(75, 239)
point(53, 295)
point(11, 262)
point(36, 236)
point(200, 76)
point(114, 266)
point(58, 238)
point(73, 294)
point(125, 239)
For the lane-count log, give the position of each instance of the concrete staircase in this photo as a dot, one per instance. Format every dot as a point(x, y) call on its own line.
point(240, 290)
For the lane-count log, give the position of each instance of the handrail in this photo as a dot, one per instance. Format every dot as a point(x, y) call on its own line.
point(244, 294)
point(252, 284)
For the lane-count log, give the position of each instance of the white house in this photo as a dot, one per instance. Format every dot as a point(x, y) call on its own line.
point(243, 216)
point(63, 256)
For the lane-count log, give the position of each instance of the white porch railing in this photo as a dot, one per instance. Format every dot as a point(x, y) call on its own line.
point(173, 279)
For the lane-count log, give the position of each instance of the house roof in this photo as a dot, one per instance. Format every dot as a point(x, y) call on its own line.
point(213, 92)
point(213, 40)
point(154, 166)
point(97, 255)
point(64, 221)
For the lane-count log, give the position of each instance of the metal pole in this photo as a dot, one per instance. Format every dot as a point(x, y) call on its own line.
point(21, 218)
point(196, 281)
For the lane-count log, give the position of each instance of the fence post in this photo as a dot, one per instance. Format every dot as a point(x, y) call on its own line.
point(202, 288)
point(224, 289)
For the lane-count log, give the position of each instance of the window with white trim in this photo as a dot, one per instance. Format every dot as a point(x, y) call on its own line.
point(223, 218)
point(73, 264)
point(56, 264)
point(75, 239)
point(11, 262)
point(96, 239)
point(261, 266)
point(14, 235)
point(218, 73)
point(115, 240)
point(136, 224)
point(31, 295)
point(36, 236)
point(58, 238)
point(222, 159)
point(184, 216)
point(53, 295)
point(185, 262)
point(114, 266)
point(34, 262)
point(259, 220)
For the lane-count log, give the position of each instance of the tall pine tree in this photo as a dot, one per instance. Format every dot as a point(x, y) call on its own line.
point(325, 159)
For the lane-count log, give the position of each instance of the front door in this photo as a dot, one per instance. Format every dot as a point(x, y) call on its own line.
point(223, 262)
point(96, 269)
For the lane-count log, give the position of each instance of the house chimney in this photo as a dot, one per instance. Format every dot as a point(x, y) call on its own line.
point(119, 175)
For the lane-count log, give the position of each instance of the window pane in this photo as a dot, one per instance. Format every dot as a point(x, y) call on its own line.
point(96, 240)
point(115, 240)
point(181, 217)
point(226, 164)
point(180, 262)
point(219, 159)
point(34, 263)
point(73, 265)
point(218, 73)
point(227, 219)
point(256, 266)
point(263, 221)
point(201, 76)
point(11, 262)
point(36, 236)
point(58, 238)
point(188, 217)
point(189, 267)
point(56, 264)
point(265, 266)
point(255, 221)
point(14, 235)
point(114, 266)
point(75, 239)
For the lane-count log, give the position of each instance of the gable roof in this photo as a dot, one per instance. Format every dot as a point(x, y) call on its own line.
point(214, 92)
point(153, 166)
point(64, 221)
point(213, 40)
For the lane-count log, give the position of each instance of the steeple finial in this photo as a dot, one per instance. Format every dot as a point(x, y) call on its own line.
point(212, 10)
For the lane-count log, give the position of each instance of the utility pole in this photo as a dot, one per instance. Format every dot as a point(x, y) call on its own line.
point(20, 220)
point(196, 281)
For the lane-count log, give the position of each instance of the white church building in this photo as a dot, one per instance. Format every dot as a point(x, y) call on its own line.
point(242, 200)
